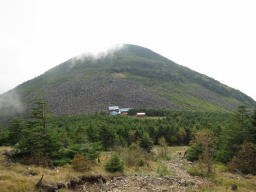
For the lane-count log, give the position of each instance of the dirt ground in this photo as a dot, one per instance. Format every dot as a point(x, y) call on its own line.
point(178, 181)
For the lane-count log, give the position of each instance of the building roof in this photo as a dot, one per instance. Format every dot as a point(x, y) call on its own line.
point(112, 108)
point(124, 109)
point(114, 113)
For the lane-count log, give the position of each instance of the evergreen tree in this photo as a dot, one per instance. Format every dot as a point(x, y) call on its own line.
point(40, 142)
point(93, 150)
point(234, 135)
point(253, 129)
point(182, 134)
point(245, 159)
point(107, 136)
point(15, 130)
point(114, 164)
point(243, 124)
point(205, 139)
point(4, 135)
point(146, 142)
point(254, 118)
point(80, 134)
point(92, 133)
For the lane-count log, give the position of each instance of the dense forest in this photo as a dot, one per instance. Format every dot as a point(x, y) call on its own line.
point(49, 141)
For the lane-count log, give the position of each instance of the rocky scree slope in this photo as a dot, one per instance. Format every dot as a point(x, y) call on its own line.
point(131, 76)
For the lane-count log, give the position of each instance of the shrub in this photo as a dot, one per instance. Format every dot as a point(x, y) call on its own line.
point(194, 152)
point(197, 171)
point(224, 155)
point(40, 159)
point(135, 156)
point(162, 170)
point(141, 162)
point(114, 164)
point(80, 163)
point(245, 159)
point(146, 142)
point(163, 148)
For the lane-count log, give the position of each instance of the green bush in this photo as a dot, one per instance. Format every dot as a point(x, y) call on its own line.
point(135, 156)
point(196, 171)
point(146, 142)
point(162, 170)
point(114, 164)
point(193, 153)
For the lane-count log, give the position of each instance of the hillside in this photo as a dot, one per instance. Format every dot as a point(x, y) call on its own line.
point(133, 77)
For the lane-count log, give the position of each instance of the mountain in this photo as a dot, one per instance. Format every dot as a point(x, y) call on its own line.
point(131, 76)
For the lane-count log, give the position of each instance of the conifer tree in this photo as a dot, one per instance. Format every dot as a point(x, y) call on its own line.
point(234, 135)
point(39, 143)
point(3, 136)
point(15, 130)
point(205, 138)
point(92, 133)
point(253, 130)
point(146, 142)
point(107, 136)
point(114, 164)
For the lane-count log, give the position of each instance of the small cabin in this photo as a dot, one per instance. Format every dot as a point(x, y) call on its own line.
point(141, 114)
point(124, 111)
point(115, 110)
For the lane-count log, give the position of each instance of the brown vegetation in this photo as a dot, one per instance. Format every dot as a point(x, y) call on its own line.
point(245, 159)
point(205, 139)
point(15, 177)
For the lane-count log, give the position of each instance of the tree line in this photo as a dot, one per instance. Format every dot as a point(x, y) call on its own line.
point(49, 141)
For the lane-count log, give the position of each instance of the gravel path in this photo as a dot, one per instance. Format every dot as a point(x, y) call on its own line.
point(181, 182)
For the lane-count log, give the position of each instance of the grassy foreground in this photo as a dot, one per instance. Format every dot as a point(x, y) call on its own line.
point(17, 178)
point(223, 180)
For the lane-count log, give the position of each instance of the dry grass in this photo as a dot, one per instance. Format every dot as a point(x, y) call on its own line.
point(223, 181)
point(118, 75)
point(173, 153)
point(14, 177)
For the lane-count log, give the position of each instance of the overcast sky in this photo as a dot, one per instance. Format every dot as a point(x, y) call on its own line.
point(213, 37)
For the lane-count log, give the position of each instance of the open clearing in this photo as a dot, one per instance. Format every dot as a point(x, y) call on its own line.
point(18, 178)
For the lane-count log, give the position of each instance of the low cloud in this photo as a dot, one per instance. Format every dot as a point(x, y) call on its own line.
point(96, 54)
point(10, 103)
